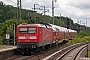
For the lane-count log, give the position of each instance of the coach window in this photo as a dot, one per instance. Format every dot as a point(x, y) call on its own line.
point(31, 30)
point(23, 30)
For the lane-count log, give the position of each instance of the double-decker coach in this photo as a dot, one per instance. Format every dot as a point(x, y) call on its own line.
point(56, 34)
point(72, 33)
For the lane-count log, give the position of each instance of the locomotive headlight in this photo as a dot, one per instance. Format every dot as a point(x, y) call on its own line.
point(33, 37)
point(21, 37)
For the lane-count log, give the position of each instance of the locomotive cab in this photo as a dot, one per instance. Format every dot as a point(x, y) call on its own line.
point(27, 36)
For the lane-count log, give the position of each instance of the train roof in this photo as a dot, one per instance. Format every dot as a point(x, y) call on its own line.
point(62, 29)
point(54, 27)
point(38, 25)
point(58, 28)
point(71, 30)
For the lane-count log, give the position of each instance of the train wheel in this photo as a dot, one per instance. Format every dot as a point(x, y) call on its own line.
point(43, 47)
point(38, 49)
point(50, 45)
point(27, 51)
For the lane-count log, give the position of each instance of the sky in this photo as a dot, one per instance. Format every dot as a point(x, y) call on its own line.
point(77, 10)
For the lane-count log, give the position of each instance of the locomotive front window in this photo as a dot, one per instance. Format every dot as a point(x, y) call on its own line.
point(23, 30)
point(31, 30)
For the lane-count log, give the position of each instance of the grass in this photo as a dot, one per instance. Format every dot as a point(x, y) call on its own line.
point(88, 53)
point(78, 39)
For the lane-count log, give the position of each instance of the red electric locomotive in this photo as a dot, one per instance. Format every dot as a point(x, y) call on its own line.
point(33, 36)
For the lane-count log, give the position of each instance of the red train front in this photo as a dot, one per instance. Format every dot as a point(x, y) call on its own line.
point(33, 36)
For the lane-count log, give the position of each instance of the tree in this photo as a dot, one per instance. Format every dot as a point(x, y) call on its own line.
point(8, 27)
point(1, 4)
point(1, 15)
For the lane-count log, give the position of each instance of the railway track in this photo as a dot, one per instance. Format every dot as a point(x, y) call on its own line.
point(51, 54)
point(39, 55)
point(66, 53)
point(72, 54)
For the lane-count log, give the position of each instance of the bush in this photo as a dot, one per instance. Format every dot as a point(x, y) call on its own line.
point(81, 37)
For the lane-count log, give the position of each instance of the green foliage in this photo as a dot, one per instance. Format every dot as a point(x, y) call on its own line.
point(81, 37)
point(88, 53)
point(8, 28)
point(0, 40)
point(82, 33)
